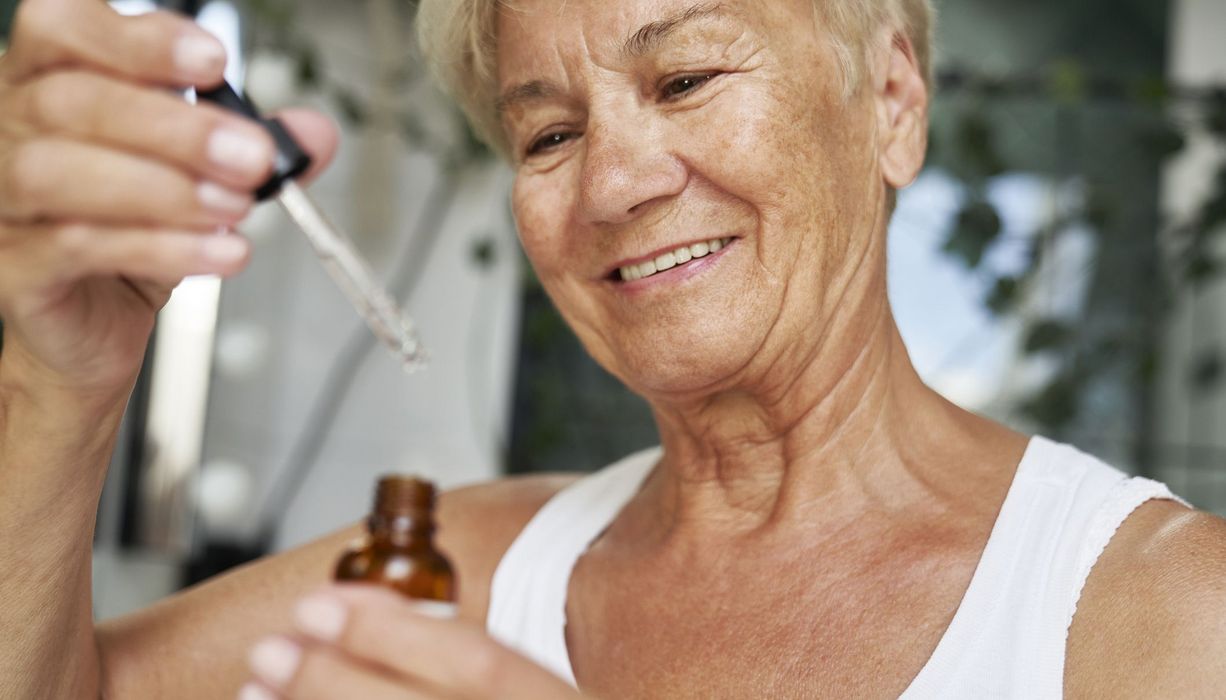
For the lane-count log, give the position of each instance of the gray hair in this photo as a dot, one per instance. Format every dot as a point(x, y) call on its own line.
point(459, 41)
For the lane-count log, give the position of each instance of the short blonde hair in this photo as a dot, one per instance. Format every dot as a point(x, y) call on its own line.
point(459, 41)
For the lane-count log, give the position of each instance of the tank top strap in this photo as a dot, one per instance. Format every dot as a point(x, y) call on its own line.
point(527, 609)
point(1008, 636)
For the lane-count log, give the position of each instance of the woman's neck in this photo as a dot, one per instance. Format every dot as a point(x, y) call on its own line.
point(853, 428)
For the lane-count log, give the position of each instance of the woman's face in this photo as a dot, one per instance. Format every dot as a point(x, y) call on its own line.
point(644, 129)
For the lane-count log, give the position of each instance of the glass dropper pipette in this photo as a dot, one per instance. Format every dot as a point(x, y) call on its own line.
point(332, 246)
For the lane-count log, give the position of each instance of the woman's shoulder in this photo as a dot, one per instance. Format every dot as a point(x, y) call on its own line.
point(477, 524)
point(1151, 620)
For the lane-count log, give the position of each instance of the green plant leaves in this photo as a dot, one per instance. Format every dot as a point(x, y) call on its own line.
point(306, 68)
point(1055, 405)
point(351, 108)
point(484, 252)
point(977, 226)
point(1163, 140)
point(1004, 295)
point(1047, 335)
point(975, 147)
point(1215, 113)
point(1206, 372)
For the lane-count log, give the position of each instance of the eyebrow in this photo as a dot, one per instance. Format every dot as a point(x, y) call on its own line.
point(530, 91)
point(652, 34)
point(646, 39)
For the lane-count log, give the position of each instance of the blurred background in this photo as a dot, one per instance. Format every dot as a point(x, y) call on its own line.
point(1056, 266)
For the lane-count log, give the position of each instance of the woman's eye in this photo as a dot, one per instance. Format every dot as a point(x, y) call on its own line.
point(684, 84)
point(548, 142)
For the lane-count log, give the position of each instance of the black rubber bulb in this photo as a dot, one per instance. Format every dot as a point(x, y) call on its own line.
point(291, 160)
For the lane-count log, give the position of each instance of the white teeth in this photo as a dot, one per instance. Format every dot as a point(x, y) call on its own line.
point(672, 259)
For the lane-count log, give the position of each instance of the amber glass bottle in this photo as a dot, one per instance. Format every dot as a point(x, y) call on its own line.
point(399, 551)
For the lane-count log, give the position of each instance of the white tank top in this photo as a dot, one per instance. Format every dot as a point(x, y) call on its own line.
point(1007, 638)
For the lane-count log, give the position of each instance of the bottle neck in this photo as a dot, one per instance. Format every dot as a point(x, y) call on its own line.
point(401, 530)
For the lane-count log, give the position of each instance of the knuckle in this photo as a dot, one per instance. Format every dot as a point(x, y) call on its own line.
point(319, 675)
point(488, 663)
point(36, 21)
point(178, 131)
point(25, 178)
point(198, 131)
point(155, 34)
point(364, 631)
point(72, 242)
point(49, 99)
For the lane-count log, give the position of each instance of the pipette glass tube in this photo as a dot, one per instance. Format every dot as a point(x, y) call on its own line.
point(351, 273)
point(335, 249)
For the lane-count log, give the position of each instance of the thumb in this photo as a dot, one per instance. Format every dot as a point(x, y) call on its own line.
point(317, 135)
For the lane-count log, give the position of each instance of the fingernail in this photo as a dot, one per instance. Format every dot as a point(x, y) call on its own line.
point(223, 200)
point(436, 609)
point(321, 616)
point(274, 660)
point(239, 152)
point(199, 56)
point(255, 691)
point(225, 248)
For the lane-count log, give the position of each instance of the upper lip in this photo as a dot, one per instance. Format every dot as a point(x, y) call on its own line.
point(657, 253)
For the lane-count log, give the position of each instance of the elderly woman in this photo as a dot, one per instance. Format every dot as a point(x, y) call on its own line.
point(704, 190)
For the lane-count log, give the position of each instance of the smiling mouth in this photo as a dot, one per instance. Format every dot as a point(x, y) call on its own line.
point(682, 255)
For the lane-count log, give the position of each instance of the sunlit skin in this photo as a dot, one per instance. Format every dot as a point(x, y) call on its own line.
point(799, 441)
point(819, 511)
point(782, 344)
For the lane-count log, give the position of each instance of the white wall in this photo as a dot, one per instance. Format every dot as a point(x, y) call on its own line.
point(446, 422)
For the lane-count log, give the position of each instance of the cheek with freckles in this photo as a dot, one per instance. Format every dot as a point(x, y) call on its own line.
point(561, 256)
point(804, 159)
point(778, 157)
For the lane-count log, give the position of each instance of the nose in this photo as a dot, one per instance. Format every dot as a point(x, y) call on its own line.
point(628, 166)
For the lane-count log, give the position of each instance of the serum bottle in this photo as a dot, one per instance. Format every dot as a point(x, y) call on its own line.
point(399, 550)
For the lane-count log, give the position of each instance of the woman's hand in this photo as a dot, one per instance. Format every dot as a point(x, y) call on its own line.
point(366, 642)
point(112, 187)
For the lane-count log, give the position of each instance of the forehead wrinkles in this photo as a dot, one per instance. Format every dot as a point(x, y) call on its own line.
point(560, 34)
point(552, 51)
point(610, 33)
point(548, 48)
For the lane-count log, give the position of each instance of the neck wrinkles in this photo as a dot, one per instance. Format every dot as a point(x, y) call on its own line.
point(745, 462)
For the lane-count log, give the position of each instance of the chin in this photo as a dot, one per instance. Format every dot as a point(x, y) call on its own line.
point(682, 362)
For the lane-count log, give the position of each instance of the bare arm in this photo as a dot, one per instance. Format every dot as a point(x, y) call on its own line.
point(194, 645)
point(111, 189)
point(1152, 618)
point(53, 455)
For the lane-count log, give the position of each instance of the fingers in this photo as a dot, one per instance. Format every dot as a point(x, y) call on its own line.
point(38, 260)
point(312, 672)
point(158, 47)
point(54, 179)
point(202, 139)
point(383, 629)
point(162, 256)
point(316, 133)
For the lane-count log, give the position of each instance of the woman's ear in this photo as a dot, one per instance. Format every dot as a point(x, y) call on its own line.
point(901, 97)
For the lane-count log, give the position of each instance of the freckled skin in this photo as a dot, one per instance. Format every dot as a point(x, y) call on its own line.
point(818, 512)
point(645, 174)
